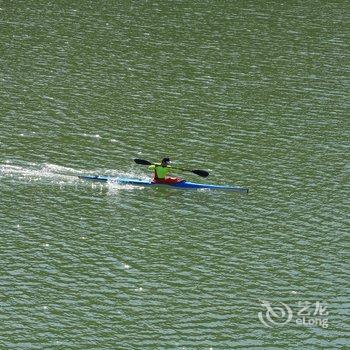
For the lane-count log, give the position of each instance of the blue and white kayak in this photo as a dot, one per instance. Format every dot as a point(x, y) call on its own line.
point(179, 185)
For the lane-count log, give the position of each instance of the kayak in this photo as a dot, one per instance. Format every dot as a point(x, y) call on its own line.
point(179, 185)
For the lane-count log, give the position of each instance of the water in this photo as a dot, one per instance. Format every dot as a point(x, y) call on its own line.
point(256, 93)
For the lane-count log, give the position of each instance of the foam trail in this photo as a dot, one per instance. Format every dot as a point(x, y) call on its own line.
point(52, 173)
point(28, 171)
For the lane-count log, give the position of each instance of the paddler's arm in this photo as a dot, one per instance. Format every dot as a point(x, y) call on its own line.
point(153, 167)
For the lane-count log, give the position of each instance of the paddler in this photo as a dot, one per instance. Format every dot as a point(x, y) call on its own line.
point(161, 170)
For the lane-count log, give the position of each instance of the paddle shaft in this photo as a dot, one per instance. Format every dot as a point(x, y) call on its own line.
point(202, 173)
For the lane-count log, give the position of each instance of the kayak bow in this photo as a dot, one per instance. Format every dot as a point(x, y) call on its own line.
point(180, 185)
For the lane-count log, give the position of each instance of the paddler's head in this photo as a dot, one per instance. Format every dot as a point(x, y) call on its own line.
point(165, 161)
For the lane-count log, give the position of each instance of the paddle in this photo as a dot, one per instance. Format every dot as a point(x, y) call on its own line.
point(202, 173)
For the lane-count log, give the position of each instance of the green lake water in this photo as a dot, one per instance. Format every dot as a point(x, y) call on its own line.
point(255, 92)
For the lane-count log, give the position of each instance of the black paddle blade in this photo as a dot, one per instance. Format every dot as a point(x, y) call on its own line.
point(142, 162)
point(202, 173)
